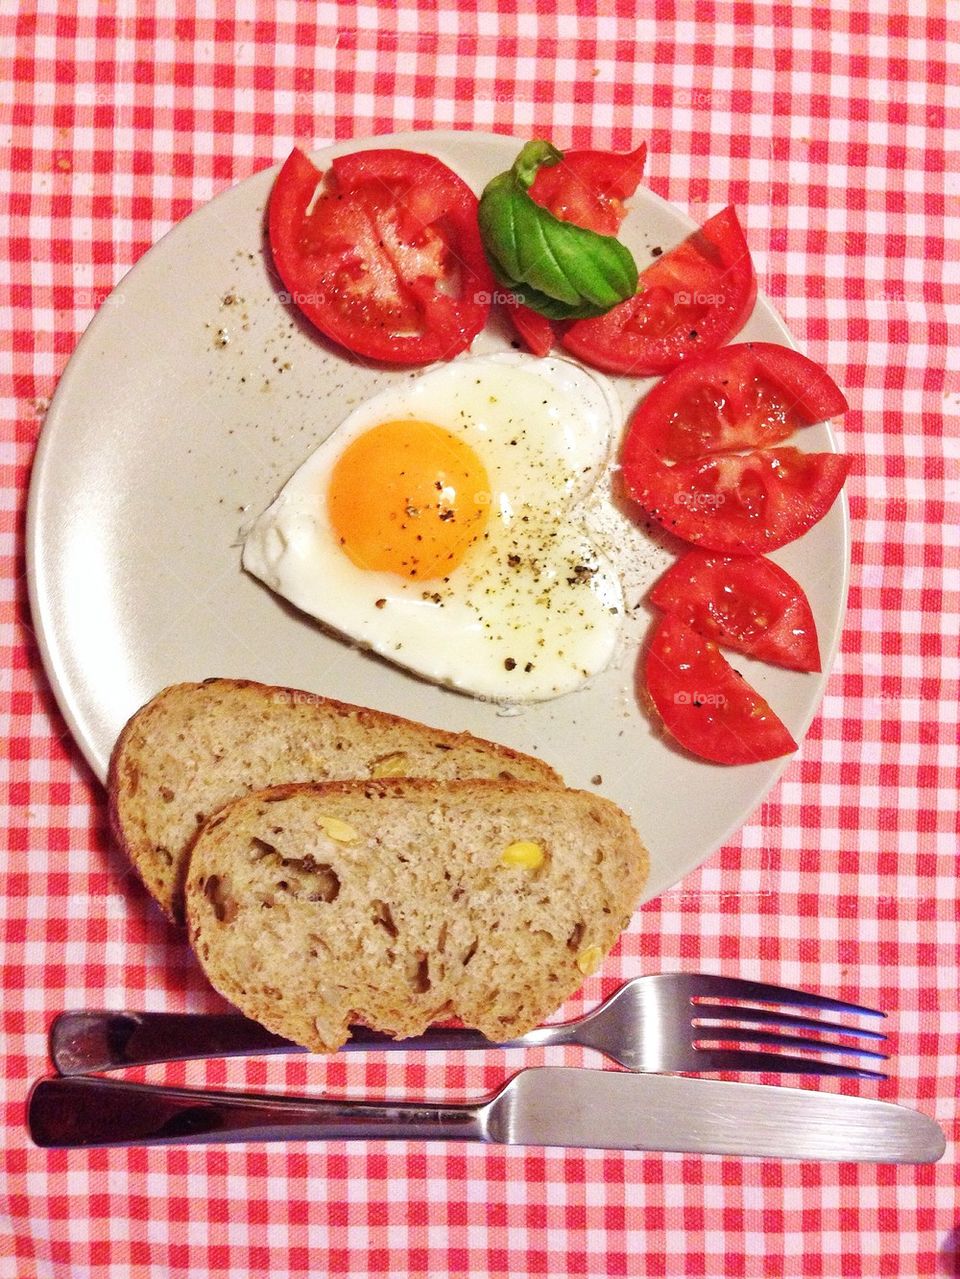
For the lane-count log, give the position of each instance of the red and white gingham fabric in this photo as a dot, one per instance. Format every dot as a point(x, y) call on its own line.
point(834, 130)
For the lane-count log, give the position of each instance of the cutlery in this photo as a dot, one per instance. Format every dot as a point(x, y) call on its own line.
point(543, 1106)
point(656, 1023)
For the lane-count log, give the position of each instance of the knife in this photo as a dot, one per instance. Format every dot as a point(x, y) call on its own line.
point(541, 1106)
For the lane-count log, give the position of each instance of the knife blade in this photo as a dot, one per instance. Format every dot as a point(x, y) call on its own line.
point(621, 1111)
point(542, 1106)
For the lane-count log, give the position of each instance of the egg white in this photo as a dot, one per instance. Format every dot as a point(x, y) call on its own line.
point(534, 610)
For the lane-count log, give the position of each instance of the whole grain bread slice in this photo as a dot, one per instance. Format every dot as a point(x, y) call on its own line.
point(194, 747)
point(400, 903)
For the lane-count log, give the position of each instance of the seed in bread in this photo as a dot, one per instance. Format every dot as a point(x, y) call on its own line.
point(194, 747)
point(400, 903)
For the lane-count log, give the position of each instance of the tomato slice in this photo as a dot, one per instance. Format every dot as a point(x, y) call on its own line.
point(689, 301)
point(751, 395)
point(589, 187)
point(705, 704)
point(535, 329)
point(382, 253)
point(739, 504)
point(742, 602)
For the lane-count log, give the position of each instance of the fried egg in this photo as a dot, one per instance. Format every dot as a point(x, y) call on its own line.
point(440, 525)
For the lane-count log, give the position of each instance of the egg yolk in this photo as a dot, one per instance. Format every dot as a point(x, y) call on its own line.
point(408, 498)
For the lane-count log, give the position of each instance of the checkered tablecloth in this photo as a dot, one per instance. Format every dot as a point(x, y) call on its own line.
point(834, 130)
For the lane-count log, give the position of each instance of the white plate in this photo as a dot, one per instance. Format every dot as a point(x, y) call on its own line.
point(177, 420)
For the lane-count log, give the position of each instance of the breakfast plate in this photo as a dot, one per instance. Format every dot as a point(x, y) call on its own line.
point(198, 390)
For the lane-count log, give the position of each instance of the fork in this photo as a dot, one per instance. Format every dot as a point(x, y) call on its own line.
point(658, 1024)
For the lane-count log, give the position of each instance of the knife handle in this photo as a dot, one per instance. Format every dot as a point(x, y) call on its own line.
point(82, 1111)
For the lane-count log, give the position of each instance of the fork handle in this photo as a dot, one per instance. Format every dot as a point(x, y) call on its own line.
point(81, 1042)
point(103, 1040)
point(84, 1111)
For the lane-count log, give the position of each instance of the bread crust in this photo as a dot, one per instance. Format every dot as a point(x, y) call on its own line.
point(196, 746)
point(315, 906)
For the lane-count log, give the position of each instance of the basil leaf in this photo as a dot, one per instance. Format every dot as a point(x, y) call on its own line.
point(533, 156)
point(550, 307)
point(562, 270)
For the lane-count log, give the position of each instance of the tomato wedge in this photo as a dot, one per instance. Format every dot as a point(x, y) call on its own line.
point(589, 189)
point(689, 301)
point(751, 395)
point(385, 256)
point(705, 704)
point(535, 329)
point(746, 603)
point(737, 504)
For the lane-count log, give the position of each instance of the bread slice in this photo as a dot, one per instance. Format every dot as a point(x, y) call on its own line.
point(194, 747)
point(392, 903)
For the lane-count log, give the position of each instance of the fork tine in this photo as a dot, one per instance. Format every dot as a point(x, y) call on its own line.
point(732, 1034)
point(776, 1063)
point(768, 1017)
point(737, 988)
